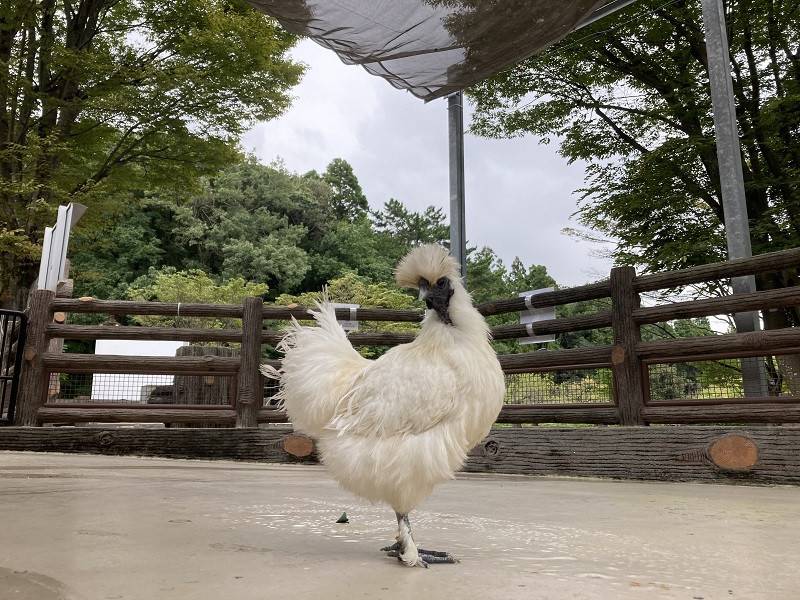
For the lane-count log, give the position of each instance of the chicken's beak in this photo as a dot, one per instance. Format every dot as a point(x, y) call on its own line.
point(423, 289)
point(437, 297)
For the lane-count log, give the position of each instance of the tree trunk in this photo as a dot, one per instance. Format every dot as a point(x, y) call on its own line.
point(16, 284)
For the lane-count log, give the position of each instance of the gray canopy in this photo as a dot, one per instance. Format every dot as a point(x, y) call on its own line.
point(433, 47)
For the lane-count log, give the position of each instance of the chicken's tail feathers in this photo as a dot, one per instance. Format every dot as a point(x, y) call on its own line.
point(318, 369)
point(277, 399)
point(270, 372)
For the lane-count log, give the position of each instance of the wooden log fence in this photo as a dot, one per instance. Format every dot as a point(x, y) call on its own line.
point(628, 358)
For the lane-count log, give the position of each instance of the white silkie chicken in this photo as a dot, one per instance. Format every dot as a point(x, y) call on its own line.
point(391, 429)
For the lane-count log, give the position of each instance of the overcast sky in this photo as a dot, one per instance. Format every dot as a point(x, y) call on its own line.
point(518, 192)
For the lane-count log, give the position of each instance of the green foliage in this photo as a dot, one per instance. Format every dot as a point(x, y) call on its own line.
point(352, 289)
point(410, 228)
point(249, 222)
point(348, 200)
point(630, 96)
point(347, 246)
point(120, 246)
point(103, 98)
point(489, 279)
point(259, 222)
point(190, 286)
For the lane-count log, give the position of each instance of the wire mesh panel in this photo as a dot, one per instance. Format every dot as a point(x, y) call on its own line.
point(720, 379)
point(12, 340)
point(128, 389)
point(573, 386)
point(271, 388)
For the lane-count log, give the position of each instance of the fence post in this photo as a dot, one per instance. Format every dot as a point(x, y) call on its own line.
point(626, 366)
point(250, 394)
point(34, 380)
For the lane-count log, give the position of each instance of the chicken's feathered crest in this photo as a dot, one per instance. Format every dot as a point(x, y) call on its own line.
point(430, 261)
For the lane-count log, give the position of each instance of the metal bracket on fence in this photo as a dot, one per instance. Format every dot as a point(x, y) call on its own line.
point(352, 323)
point(532, 315)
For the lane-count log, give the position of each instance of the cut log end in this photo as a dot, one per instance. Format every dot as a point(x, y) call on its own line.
point(298, 445)
point(734, 452)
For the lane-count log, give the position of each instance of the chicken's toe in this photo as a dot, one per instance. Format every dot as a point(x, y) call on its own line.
point(437, 556)
point(408, 560)
point(393, 548)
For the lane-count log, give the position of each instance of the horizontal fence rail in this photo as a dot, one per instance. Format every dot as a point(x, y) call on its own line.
point(277, 313)
point(763, 263)
point(716, 306)
point(733, 345)
point(173, 334)
point(624, 364)
point(584, 358)
point(159, 365)
point(594, 291)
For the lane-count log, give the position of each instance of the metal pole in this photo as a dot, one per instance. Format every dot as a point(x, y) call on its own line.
point(455, 120)
point(729, 157)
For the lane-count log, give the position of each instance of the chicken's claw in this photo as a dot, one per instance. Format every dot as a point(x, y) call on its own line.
point(417, 562)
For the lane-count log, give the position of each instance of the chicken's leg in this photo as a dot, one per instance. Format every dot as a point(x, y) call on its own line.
point(405, 549)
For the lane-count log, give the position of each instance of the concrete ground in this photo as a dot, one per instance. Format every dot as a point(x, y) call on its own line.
point(106, 528)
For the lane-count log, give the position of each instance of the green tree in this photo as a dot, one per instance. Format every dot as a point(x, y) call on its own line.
point(192, 286)
point(259, 222)
point(351, 246)
point(348, 200)
point(101, 97)
point(630, 96)
point(255, 222)
point(412, 228)
point(122, 245)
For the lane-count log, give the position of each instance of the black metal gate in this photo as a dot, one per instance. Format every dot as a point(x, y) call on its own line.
point(12, 340)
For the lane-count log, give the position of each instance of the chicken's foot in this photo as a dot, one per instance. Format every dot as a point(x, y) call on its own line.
point(405, 550)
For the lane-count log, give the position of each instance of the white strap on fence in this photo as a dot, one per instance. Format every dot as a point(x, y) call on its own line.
point(350, 324)
point(531, 315)
point(528, 301)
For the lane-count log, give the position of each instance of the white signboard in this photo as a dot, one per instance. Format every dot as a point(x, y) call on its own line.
point(534, 315)
point(130, 387)
point(352, 323)
point(54, 249)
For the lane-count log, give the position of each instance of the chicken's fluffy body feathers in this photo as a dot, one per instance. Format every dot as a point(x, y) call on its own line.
point(389, 430)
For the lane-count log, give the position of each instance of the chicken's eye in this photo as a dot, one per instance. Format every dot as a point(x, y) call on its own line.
point(441, 282)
